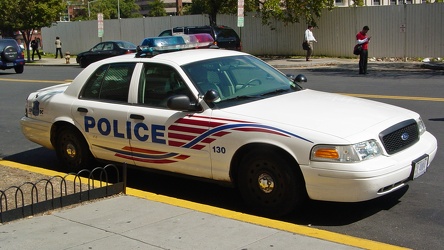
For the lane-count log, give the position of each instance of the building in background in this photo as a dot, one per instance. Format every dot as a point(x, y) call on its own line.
point(172, 7)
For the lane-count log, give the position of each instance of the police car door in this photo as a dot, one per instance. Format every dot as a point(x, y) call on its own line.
point(161, 137)
point(101, 111)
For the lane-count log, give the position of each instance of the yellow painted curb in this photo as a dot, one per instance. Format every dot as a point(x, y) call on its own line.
point(270, 223)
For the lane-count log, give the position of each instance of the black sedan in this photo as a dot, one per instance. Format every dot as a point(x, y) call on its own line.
point(104, 50)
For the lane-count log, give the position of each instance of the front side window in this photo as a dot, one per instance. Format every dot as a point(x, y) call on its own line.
point(159, 82)
point(109, 82)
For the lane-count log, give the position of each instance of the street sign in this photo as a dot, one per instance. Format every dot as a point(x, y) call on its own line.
point(100, 24)
point(240, 13)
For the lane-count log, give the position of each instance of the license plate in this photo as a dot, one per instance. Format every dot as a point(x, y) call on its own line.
point(9, 64)
point(419, 166)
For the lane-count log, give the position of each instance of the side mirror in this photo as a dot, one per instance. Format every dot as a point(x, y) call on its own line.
point(300, 78)
point(182, 103)
point(211, 96)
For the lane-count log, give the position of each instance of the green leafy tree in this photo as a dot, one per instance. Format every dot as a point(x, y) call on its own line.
point(109, 9)
point(288, 11)
point(157, 8)
point(28, 15)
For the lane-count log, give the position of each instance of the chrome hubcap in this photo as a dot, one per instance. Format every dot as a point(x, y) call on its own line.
point(266, 183)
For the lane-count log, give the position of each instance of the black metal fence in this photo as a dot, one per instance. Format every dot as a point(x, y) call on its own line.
point(33, 198)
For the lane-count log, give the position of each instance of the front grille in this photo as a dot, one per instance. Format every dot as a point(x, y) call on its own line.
point(400, 136)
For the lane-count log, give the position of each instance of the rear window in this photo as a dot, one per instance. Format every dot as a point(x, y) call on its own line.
point(5, 43)
point(126, 45)
point(200, 30)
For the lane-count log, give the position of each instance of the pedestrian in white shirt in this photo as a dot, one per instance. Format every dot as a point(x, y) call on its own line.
point(310, 39)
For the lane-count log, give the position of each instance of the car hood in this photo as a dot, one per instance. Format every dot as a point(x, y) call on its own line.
point(331, 114)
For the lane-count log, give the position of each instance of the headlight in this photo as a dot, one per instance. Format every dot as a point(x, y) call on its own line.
point(346, 153)
point(421, 126)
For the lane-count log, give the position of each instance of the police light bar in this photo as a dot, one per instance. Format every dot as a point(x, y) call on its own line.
point(152, 46)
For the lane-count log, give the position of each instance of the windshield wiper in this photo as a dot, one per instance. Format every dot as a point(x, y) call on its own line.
point(276, 91)
point(241, 97)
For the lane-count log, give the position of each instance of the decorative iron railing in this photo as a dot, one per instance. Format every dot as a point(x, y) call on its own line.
point(31, 198)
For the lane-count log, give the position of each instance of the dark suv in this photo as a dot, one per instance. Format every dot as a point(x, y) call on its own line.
point(224, 37)
point(12, 55)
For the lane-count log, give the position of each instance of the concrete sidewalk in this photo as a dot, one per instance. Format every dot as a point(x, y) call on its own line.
point(128, 222)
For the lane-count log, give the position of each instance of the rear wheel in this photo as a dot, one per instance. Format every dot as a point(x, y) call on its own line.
point(83, 63)
point(73, 151)
point(19, 69)
point(269, 184)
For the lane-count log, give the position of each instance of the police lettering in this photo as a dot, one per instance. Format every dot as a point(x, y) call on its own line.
point(140, 131)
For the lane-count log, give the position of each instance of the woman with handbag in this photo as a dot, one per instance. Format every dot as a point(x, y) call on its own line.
point(363, 40)
point(309, 39)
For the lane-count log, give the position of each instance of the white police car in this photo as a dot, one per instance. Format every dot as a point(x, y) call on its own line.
point(223, 115)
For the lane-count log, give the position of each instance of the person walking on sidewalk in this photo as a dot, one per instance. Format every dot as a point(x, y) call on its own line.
point(363, 39)
point(310, 39)
point(35, 48)
point(58, 44)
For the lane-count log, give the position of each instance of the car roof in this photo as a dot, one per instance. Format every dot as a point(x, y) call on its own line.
point(193, 55)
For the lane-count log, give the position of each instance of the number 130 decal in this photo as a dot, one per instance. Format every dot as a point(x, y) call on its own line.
point(219, 150)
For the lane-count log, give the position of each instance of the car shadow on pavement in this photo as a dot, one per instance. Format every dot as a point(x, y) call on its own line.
point(39, 157)
point(321, 213)
point(317, 213)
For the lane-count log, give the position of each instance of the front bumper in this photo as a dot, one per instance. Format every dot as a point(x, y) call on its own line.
point(365, 180)
point(37, 131)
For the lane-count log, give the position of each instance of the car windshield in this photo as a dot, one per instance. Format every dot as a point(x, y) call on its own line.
point(238, 78)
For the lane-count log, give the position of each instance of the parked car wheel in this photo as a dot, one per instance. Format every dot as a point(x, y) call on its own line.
point(19, 69)
point(72, 150)
point(82, 63)
point(268, 183)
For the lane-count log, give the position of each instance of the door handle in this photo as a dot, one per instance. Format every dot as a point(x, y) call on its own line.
point(82, 110)
point(137, 117)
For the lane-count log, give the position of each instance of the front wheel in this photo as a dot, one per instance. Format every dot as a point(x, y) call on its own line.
point(73, 151)
point(269, 184)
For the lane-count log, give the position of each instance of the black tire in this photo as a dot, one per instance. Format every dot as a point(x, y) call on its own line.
point(269, 184)
point(19, 69)
point(83, 63)
point(10, 53)
point(73, 151)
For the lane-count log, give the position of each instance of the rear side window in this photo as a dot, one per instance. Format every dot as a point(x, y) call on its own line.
point(109, 83)
point(226, 34)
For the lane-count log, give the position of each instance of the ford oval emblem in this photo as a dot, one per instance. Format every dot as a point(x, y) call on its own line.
point(405, 136)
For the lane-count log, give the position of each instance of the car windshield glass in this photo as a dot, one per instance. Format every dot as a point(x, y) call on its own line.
point(238, 78)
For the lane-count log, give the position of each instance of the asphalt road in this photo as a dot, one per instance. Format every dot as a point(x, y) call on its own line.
point(412, 217)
